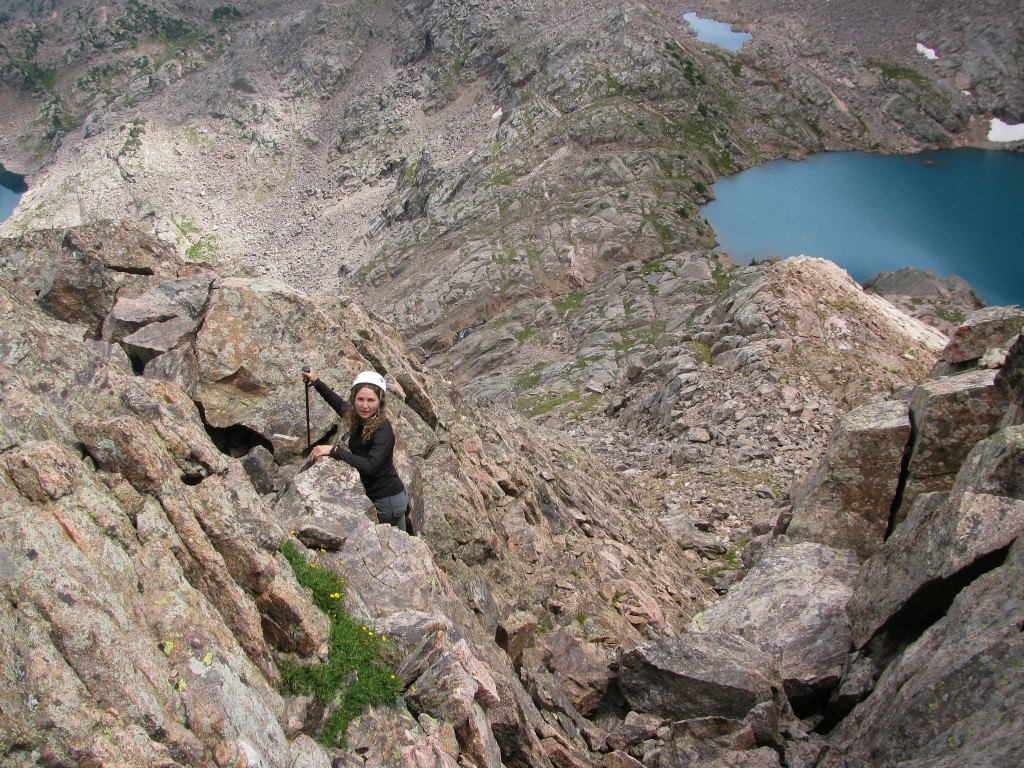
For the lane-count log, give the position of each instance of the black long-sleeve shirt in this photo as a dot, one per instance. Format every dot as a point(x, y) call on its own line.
point(373, 458)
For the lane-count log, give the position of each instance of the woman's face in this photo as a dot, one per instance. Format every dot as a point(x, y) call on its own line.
point(366, 402)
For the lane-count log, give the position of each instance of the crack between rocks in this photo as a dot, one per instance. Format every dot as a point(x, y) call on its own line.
point(904, 478)
point(932, 601)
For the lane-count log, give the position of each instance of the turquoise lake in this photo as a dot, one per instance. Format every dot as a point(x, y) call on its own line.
point(951, 212)
point(8, 196)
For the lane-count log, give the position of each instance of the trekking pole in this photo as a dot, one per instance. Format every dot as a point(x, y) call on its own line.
point(309, 439)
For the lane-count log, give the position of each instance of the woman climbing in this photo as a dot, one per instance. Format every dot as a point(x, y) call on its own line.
point(371, 443)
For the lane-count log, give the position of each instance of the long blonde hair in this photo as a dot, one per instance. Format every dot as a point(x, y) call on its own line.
point(369, 426)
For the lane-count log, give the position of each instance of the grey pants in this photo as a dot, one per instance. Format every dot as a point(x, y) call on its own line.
point(391, 510)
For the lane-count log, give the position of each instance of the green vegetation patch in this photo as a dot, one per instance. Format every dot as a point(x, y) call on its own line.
point(134, 130)
point(723, 276)
point(730, 561)
point(141, 19)
point(225, 13)
point(204, 251)
point(951, 315)
point(530, 378)
point(523, 334)
point(571, 402)
point(569, 303)
point(898, 72)
point(357, 673)
point(540, 403)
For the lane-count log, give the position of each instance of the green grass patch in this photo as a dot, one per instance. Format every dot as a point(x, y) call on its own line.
point(357, 673)
point(569, 303)
point(730, 561)
point(540, 403)
point(898, 72)
point(225, 13)
point(955, 316)
point(723, 276)
point(701, 352)
point(133, 130)
point(204, 251)
point(530, 378)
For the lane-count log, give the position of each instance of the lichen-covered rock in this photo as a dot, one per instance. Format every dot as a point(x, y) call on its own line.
point(953, 697)
point(121, 615)
point(847, 503)
point(696, 675)
point(950, 415)
point(982, 330)
point(792, 604)
point(77, 275)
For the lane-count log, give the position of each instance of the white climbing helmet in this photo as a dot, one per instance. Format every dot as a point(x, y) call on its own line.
point(371, 377)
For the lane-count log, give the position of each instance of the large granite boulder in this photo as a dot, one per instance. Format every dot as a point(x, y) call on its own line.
point(250, 348)
point(985, 329)
point(164, 318)
point(705, 674)
point(77, 275)
point(950, 415)
point(847, 502)
point(792, 605)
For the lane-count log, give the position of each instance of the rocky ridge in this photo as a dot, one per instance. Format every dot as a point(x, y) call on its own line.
point(156, 453)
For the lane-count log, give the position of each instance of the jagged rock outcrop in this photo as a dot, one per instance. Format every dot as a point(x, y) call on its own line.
point(984, 332)
point(168, 468)
point(143, 596)
point(904, 657)
point(884, 456)
point(921, 294)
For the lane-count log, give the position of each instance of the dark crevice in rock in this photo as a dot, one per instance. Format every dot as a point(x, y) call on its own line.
point(901, 485)
point(130, 270)
point(929, 604)
point(235, 440)
point(813, 704)
point(327, 438)
point(138, 357)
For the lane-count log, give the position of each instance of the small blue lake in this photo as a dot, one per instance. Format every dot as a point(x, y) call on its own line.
point(950, 212)
point(715, 32)
point(12, 187)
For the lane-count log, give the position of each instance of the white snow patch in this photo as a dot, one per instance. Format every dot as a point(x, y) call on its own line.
point(1000, 131)
point(928, 53)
